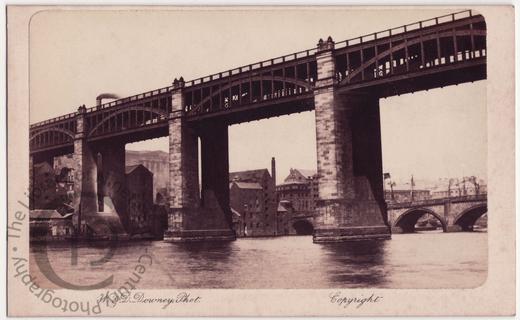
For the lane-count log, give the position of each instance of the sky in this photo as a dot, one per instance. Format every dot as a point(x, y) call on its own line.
point(76, 55)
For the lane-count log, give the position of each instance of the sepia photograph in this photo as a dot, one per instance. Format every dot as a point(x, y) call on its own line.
point(178, 149)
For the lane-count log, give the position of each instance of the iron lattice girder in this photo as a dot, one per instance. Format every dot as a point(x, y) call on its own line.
point(53, 134)
point(383, 62)
point(430, 47)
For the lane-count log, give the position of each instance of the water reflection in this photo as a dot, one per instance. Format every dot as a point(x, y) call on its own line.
point(200, 256)
point(357, 263)
point(434, 260)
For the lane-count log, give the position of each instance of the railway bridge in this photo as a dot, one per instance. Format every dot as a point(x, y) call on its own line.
point(453, 213)
point(341, 81)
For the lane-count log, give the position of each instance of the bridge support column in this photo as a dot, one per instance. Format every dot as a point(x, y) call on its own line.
point(189, 219)
point(450, 227)
point(112, 181)
point(85, 177)
point(351, 203)
point(453, 228)
point(216, 212)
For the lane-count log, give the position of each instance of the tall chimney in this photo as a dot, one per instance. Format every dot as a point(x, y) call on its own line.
point(273, 170)
point(99, 98)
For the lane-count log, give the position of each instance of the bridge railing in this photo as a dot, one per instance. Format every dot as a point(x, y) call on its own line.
point(114, 103)
point(253, 66)
point(477, 197)
point(53, 120)
point(404, 28)
point(136, 97)
point(482, 196)
point(274, 61)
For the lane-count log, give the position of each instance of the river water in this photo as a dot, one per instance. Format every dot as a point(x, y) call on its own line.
point(420, 260)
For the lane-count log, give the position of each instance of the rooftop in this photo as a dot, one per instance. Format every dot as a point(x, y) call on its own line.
point(47, 214)
point(246, 185)
point(130, 169)
point(248, 175)
point(299, 176)
point(281, 208)
point(307, 172)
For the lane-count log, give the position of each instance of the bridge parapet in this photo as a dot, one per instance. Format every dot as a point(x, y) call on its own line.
point(437, 201)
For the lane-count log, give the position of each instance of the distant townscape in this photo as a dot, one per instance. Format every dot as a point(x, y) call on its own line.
point(260, 205)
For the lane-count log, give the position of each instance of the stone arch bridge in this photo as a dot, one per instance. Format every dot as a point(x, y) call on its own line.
point(454, 214)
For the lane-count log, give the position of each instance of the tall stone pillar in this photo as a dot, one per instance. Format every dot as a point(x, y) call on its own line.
point(113, 180)
point(85, 175)
point(215, 176)
point(351, 204)
point(183, 167)
point(189, 217)
point(366, 147)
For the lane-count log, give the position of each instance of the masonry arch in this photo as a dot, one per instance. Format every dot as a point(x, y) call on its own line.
point(303, 227)
point(467, 218)
point(407, 221)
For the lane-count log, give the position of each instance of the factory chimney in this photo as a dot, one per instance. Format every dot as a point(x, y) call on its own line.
point(273, 170)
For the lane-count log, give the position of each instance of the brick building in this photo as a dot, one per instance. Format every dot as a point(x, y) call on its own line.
point(300, 188)
point(45, 225)
point(44, 187)
point(155, 161)
point(284, 213)
point(139, 184)
point(52, 188)
point(252, 198)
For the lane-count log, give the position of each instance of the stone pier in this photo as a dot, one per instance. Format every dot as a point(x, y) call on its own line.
point(85, 176)
point(351, 202)
point(193, 217)
point(215, 174)
point(112, 180)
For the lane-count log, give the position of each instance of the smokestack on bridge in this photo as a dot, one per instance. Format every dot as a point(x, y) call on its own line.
point(102, 96)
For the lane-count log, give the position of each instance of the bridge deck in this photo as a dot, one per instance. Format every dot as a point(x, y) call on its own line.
point(427, 54)
point(439, 201)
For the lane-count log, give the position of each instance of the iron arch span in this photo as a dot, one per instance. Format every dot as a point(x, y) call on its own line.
point(407, 221)
point(303, 227)
point(466, 219)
